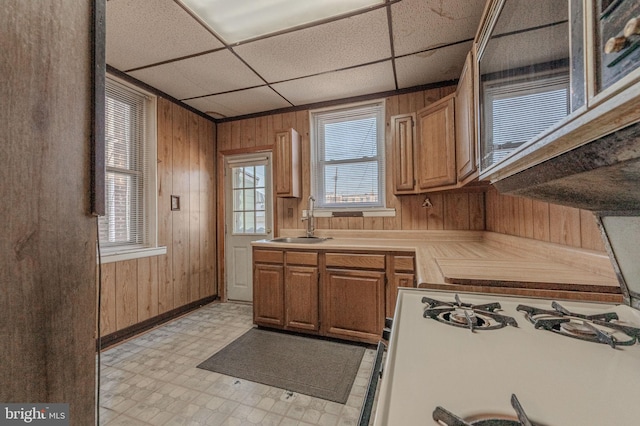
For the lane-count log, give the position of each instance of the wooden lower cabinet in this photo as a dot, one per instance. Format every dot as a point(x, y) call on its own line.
point(301, 298)
point(344, 295)
point(268, 294)
point(354, 304)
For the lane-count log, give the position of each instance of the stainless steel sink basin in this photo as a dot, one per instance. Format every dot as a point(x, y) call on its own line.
point(299, 240)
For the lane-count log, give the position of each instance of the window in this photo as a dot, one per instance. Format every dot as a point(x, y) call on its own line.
point(249, 195)
point(348, 157)
point(519, 111)
point(129, 222)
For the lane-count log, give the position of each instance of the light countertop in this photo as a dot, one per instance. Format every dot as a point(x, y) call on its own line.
point(481, 261)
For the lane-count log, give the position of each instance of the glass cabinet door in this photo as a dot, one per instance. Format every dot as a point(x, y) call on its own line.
point(527, 79)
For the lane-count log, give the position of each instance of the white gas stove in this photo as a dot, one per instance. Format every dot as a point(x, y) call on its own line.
point(469, 371)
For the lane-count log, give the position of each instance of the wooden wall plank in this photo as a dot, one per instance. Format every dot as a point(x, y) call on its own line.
point(527, 219)
point(207, 209)
point(195, 221)
point(456, 211)
point(108, 299)
point(248, 133)
point(147, 286)
point(126, 293)
point(165, 189)
point(180, 218)
point(541, 225)
point(564, 225)
point(590, 234)
point(477, 211)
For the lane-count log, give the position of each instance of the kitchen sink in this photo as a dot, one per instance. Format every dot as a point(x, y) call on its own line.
point(299, 240)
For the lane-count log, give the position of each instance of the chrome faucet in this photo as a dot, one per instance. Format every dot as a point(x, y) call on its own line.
point(310, 225)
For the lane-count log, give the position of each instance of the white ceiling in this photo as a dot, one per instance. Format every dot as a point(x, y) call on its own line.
point(159, 43)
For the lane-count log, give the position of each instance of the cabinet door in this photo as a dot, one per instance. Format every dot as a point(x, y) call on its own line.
point(354, 304)
point(287, 168)
point(268, 295)
point(437, 151)
point(301, 298)
point(403, 132)
point(465, 123)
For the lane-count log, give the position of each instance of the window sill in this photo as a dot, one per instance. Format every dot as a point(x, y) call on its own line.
point(130, 254)
point(363, 212)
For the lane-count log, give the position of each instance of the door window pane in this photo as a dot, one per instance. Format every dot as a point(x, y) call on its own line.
point(249, 199)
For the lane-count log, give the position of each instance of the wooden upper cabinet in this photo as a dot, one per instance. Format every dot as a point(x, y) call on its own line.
point(287, 164)
point(466, 159)
point(403, 133)
point(436, 149)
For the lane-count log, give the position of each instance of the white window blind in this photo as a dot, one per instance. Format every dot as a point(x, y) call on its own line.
point(124, 224)
point(518, 112)
point(348, 164)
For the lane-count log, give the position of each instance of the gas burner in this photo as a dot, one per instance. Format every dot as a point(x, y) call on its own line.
point(600, 328)
point(466, 315)
point(447, 418)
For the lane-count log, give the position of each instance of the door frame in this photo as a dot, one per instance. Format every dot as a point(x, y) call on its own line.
point(221, 240)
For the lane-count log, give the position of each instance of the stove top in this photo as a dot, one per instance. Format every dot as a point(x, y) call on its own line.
point(441, 360)
point(447, 418)
point(467, 315)
point(599, 328)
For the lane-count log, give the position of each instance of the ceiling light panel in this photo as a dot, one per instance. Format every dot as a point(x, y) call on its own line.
point(236, 21)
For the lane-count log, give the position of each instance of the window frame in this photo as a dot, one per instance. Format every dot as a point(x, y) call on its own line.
point(148, 246)
point(325, 209)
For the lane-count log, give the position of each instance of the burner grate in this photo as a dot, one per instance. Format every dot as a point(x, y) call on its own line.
point(467, 315)
point(579, 326)
point(449, 419)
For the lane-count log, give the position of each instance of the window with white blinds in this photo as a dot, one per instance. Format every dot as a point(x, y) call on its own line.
point(348, 156)
point(125, 223)
point(519, 111)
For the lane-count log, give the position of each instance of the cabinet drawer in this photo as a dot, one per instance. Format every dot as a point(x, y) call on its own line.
point(351, 260)
point(268, 256)
point(403, 264)
point(301, 258)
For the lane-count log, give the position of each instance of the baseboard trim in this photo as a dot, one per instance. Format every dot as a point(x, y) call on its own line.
point(111, 339)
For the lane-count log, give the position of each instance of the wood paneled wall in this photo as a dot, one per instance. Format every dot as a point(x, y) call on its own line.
point(47, 248)
point(542, 221)
point(449, 211)
point(136, 290)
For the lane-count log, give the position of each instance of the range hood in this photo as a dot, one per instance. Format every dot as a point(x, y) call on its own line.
point(601, 176)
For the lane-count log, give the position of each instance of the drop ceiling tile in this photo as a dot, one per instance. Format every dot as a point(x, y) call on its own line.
point(347, 42)
point(424, 24)
point(242, 102)
point(433, 66)
point(144, 32)
point(339, 85)
point(201, 75)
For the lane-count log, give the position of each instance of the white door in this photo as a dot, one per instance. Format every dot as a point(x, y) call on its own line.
point(248, 217)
